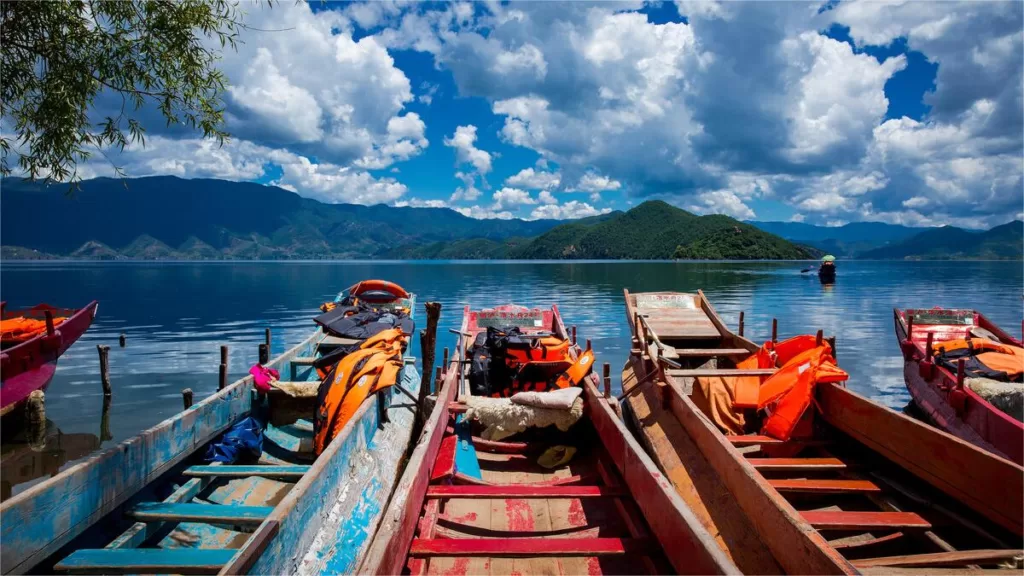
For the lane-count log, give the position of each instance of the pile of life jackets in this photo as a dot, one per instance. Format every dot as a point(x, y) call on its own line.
point(359, 320)
point(20, 329)
point(367, 368)
point(504, 361)
point(782, 398)
point(983, 358)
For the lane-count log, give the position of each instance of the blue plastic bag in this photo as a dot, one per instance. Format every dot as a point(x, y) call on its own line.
point(244, 439)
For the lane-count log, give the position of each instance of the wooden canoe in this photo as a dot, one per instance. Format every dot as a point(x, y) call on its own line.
point(958, 410)
point(470, 506)
point(29, 365)
point(150, 504)
point(867, 488)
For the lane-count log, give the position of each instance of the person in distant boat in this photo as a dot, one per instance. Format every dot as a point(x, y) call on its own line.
point(827, 270)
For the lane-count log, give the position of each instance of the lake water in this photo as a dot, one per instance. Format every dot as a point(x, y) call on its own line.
point(176, 316)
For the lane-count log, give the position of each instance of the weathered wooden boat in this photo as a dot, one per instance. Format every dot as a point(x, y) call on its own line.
point(28, 360)
point(859, 487)
point(957, 406)
point(151, 504)
point(471, 506)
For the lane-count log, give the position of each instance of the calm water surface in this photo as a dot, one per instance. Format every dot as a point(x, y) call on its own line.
point(176, 315)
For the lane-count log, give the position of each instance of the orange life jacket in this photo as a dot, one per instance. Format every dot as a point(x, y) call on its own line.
point(788, 393)
point(995, 357)
point(21, 328)
point(578, 371)
point(549, 348)
point(374, 366)
point(548, 366)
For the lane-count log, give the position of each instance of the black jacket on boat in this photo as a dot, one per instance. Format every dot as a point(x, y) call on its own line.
point(360, 323)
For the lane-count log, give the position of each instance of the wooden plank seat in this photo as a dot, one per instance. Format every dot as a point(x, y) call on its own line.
point(819, 486)
point(752, 439)
point(245, 471)
point(701, 372)
point(529, 547)
point(304, 360)
point(460, 478)
point(843, 520)
point(797, 464)
point(209, 513)
point(955, 558)
point(146, 561)
point(136, 534)
point(524, 491)
point(709, 352)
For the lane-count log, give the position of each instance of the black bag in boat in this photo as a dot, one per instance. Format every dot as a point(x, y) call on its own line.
point(490, 371)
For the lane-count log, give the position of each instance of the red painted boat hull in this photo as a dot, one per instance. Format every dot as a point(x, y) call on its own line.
point(933, 388)
point(30, 366)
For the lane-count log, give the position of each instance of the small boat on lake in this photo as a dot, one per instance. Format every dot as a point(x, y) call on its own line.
point(156, 504)
point(843, 486)
point(32, 340)
point(580, 497)
point(982, 404)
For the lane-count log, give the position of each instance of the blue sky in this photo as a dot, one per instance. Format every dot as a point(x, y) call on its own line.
point(824, 113)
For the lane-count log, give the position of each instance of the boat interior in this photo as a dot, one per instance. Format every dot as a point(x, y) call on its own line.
point(867, 510)
point(491, 507)
point(198, 516)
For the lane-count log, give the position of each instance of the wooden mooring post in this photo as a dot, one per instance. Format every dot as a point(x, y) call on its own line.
point(122, 340)
point(223, 381)
point(266, 336)
point(264, 355)
point(105, 421)
point(35, 409)
point(104, 368)
point(428, 339)
point(740, 331)
point(186, 398)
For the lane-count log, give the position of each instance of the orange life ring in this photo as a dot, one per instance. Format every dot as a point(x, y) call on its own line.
point(378, 285)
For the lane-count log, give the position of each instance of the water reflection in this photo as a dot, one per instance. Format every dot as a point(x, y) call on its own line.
point(176, 315)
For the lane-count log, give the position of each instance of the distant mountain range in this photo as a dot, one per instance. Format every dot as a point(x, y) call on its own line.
point(168, 218)
point(880, 241)
point(1004, 242)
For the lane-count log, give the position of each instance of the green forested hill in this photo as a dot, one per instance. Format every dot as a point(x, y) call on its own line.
point(658, 230)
